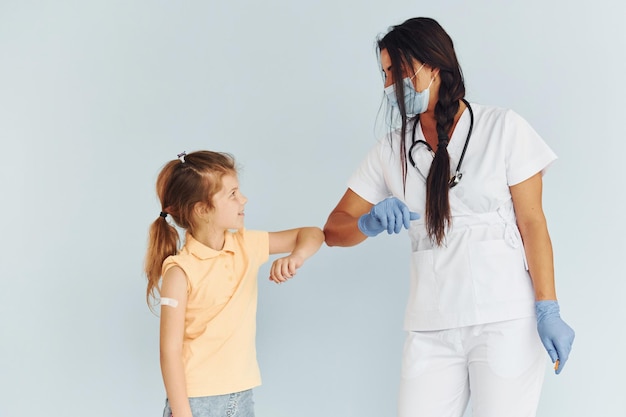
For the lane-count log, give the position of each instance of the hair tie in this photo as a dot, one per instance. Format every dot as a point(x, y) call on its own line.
point(163, 214)
point(181, 156)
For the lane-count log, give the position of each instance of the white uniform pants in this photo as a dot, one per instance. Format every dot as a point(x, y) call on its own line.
point(500, 365)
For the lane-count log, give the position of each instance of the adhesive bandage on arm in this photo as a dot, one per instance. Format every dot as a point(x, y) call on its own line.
point(169, 302)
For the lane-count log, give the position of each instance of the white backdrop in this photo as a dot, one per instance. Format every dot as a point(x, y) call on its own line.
point(96, 96)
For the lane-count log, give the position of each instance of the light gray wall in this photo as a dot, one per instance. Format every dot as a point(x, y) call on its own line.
point(96, 96)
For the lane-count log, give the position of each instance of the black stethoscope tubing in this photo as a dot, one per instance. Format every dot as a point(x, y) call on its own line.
point(456, 178)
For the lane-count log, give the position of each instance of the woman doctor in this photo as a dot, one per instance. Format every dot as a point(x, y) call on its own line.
point(482, 296)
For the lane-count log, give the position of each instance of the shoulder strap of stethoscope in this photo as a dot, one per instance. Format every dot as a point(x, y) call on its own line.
point(415, 142)
point(469, 134)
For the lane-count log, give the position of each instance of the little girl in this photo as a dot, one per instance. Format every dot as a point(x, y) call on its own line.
point(208, 289)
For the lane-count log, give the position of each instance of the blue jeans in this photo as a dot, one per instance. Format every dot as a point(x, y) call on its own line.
point(238, 404)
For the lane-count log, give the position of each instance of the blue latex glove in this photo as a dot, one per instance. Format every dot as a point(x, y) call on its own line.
point(557, 337)
point(390, 214)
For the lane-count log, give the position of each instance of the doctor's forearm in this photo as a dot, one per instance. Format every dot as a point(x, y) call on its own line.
point(539, 254)
point(341, 230)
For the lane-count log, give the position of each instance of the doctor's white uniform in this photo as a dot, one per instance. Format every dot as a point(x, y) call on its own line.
point(470, 317)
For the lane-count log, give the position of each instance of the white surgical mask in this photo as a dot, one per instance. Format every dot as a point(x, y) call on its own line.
point(414, 102)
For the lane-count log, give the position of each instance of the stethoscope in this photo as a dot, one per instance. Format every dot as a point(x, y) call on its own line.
point(456, 178)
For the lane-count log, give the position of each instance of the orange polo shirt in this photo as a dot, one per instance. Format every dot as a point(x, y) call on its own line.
point(219, 349)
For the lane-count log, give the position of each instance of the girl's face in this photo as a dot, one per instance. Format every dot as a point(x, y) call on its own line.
point(228, 205)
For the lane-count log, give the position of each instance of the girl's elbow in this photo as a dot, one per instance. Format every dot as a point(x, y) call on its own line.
point(318, 233)
point(168, 353)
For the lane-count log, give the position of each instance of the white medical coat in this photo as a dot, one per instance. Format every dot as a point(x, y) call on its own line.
point(479, 275)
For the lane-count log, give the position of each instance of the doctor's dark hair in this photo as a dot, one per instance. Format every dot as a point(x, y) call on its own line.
point(424, 40)
point(181, 184)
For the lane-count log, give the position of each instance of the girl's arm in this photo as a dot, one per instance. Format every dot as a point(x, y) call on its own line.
point(534, 230)
point(341, 227)
point(302, 243)
point(174, 288)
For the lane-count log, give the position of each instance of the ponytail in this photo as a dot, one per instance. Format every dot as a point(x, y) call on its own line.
point(162, 242)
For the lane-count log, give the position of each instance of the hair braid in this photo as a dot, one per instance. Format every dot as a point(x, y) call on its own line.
point(423, 39)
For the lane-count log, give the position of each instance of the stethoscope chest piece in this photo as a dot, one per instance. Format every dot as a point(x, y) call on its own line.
point(455, 179)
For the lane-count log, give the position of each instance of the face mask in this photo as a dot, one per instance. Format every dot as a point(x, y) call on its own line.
point(414, 102)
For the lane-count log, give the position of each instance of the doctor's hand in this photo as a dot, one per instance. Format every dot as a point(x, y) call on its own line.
point(390, 214)
point(557, 337)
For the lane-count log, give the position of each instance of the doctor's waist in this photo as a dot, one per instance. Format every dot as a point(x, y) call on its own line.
point(466, 229)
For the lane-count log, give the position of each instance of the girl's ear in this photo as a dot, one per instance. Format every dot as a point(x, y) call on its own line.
point(201, 210)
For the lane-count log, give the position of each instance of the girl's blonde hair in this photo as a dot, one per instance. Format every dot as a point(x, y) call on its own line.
point(181, 184)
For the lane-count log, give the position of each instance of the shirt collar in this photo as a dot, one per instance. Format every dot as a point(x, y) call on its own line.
point(201, 251)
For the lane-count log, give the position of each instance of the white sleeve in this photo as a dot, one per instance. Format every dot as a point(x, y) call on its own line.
point(368, 181)
point(525, 151)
